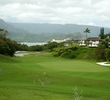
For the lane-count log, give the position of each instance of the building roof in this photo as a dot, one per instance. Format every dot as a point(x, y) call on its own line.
point(93, 38)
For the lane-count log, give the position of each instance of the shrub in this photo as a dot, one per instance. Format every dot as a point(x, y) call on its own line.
point(67, 52)
point(36, 48)
point(107, 54)
point(75, 52)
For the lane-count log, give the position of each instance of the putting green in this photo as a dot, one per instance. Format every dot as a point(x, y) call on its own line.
point(76, 65)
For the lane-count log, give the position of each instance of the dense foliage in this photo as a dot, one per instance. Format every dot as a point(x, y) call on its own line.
point(8, 46)
point(36, 48)
point(107, 54)
point(75, 51)
point(47, 47)
point(102, 52)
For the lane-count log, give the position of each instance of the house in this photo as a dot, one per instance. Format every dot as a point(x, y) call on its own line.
point(90, 42)
point(82, 43)
point(60, 41)
point(93, 41)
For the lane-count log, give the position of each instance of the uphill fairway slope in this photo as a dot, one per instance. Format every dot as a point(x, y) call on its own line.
point(40, 76)
point(74, 65)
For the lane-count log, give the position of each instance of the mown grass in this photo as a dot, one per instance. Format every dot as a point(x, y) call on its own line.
point(19, 78)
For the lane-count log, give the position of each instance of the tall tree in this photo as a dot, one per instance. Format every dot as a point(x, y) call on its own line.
point(102, 35)
point(7, 46)
point(87, 30)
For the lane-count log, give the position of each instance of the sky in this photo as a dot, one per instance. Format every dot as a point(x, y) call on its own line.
point(85, 12)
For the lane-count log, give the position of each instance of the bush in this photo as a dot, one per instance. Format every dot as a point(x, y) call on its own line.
point(52, 45)
point(75, 52)
point(67, 52)
point(107, 54)
point(36, 48)
point(58, 51)
point(7, 46)
point(100, 53)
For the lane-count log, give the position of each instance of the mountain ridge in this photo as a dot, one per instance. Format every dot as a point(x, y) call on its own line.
point(39, 28)
point(42, 32)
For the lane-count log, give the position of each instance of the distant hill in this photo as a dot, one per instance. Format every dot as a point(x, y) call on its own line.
point(36, 32)
point(11, 28)
point(36, 28)
point(14, 32)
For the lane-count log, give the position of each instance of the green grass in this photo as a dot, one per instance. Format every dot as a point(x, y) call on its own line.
point(74, 65)
point(19, 78)
point(107, 62)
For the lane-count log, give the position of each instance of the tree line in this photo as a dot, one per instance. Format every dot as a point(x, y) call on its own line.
point(9, 47)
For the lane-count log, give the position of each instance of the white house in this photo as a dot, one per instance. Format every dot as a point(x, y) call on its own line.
point(90, 42)
point(82, 43)
point(93, 41)
point(60, 41)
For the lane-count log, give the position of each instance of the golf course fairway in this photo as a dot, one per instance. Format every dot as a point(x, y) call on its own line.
point(40, 76)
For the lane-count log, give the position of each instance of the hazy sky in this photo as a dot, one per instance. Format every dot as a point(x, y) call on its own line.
point(91, 12)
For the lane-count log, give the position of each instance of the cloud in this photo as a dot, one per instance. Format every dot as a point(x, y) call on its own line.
point(92, 12)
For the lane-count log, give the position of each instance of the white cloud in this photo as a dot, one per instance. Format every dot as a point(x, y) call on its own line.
point(92, 12)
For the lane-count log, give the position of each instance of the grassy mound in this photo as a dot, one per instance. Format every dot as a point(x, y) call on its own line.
point(8, 59)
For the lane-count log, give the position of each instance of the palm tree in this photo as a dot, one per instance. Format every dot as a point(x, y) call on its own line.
point(87, 30)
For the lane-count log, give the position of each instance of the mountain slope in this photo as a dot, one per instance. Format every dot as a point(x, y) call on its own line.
point(11, 28)
point(36, 32)
point(13, 32)
point(58, 28)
